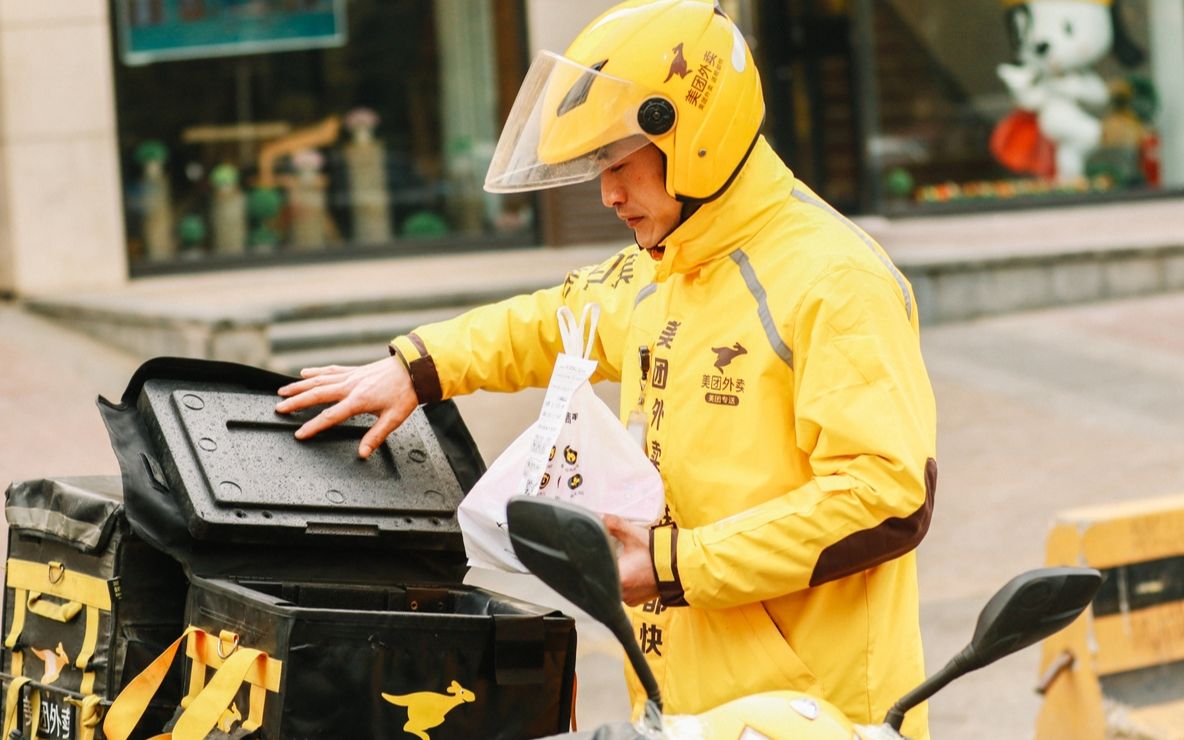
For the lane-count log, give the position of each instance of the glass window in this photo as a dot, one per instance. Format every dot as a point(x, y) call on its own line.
point(987, 101)
point(305, 129)
point(813, 104)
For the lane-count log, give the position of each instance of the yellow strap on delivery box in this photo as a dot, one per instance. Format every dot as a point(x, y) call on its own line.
point(204, 711)
point(57, 612)
point(89, 714)
point(11, 699)
point(12, 712)
point(129, 706)
point(18, 620)
point(205, 703)
point(57, 580)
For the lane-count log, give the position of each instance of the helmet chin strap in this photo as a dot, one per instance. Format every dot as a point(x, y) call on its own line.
point(687, 209)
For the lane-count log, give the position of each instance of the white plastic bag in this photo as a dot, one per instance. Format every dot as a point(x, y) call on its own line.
point(576, 451)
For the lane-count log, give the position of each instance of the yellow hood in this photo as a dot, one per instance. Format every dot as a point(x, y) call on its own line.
point(722, 225)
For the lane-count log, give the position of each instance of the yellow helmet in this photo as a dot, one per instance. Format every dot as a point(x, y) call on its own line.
point(674, 73)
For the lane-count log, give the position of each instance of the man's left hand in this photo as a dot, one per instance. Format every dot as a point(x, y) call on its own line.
point(638, 584)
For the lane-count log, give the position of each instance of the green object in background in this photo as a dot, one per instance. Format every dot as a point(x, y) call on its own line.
point(1119, 165)
point(425, 224)
point(460, 146)
point(263, 238)
point(152, 150)
point(224, 176)
point(192, 230)
point(1144, 98)
point(264, 203)
point(899, 182)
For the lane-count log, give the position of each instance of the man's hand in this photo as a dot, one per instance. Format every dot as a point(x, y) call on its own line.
point(638, 584)
point(382, 388)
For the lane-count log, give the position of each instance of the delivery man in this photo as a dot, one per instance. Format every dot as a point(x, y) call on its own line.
point(770, 343)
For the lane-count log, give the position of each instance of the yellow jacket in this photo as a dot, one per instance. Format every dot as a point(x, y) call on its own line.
point(792, 420)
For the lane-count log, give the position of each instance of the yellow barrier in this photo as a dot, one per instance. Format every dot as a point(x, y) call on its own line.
point(1118, 671)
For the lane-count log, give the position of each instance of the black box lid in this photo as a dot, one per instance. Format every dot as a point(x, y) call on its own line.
point(202, 450)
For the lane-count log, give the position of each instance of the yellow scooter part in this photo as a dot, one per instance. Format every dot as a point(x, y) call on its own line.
point(774, 715)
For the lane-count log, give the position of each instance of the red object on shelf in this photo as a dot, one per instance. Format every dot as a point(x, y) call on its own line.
point(1149, 158)
point(1018, 145)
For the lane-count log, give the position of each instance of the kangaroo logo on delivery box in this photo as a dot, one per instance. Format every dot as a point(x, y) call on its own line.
point(427, 709)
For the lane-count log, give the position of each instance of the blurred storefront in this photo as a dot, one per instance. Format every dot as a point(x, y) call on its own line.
point(230, 133)
point(256, 132)
point(899, 107)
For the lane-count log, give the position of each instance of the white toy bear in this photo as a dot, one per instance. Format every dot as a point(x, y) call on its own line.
point(1057, 42)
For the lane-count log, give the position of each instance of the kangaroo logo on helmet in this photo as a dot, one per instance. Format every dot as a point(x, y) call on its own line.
point(678, 66)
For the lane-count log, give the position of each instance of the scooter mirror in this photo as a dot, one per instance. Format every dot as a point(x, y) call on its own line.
point(568, 548)
point(1028, 608)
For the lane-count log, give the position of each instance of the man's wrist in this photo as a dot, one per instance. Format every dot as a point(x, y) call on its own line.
point(664, 556)
point(425, 380)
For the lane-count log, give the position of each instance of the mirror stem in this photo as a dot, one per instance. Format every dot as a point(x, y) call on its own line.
point(960, 664)
point(623, 629)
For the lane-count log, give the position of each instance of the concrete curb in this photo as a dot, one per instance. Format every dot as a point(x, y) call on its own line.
point(956, 290)
point(948, 288)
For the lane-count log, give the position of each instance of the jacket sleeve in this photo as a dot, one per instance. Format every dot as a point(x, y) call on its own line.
point(865, 418)
point(512, 344)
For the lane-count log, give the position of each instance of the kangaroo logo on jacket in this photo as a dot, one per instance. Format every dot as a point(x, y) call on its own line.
point(428, 709)
point(725, 355)
point(724, 389)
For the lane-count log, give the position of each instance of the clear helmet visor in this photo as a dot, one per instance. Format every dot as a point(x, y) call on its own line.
point(569, 123)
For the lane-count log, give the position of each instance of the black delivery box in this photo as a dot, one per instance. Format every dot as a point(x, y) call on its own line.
point(342, 578)
point(87, 605)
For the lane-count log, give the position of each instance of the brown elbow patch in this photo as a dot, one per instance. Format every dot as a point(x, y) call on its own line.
point(886, 541)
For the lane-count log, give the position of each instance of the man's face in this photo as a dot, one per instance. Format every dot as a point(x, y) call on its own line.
point(635, 188)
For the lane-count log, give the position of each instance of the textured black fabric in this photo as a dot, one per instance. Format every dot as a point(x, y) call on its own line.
point(381, 661)
point(80, 524)
point(82, 512)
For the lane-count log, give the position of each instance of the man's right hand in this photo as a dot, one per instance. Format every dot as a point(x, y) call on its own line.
point(382, 388)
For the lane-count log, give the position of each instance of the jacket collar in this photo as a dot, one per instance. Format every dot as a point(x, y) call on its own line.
point(723, 225)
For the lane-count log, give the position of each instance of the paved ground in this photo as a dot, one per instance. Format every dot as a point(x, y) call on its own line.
point(1038, 412)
